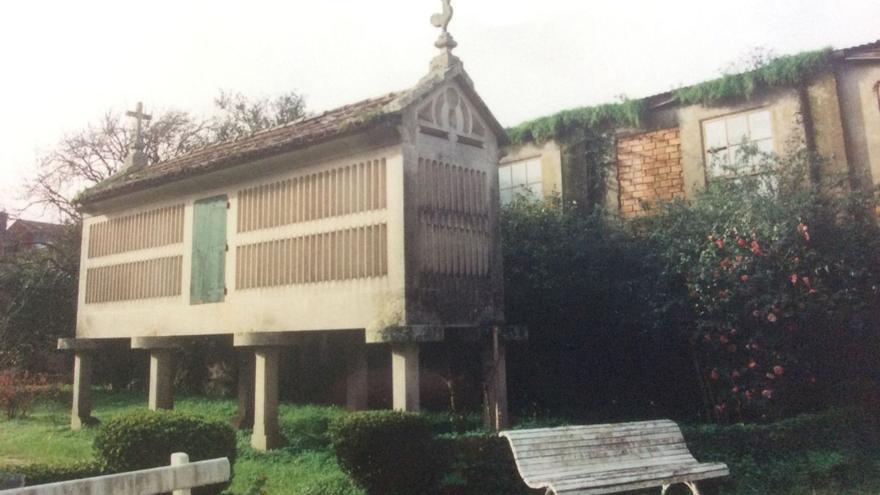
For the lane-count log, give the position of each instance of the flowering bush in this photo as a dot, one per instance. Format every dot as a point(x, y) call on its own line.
point(781, 283)
point(18, 390)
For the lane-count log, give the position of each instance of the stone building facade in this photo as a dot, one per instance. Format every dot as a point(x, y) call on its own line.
point(673, 153)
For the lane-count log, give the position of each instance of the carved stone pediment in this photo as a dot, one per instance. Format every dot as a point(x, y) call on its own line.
point(449, 112)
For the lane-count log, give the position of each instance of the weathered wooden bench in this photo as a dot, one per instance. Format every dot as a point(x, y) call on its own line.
point(611, 458)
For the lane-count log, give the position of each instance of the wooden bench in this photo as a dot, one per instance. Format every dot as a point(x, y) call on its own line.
point(612, 458)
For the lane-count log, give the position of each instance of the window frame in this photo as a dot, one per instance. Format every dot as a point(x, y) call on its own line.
point(528, 185)
point(709, 168)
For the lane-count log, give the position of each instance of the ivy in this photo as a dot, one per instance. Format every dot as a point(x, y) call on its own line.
point(626, 113)
point(784, 71)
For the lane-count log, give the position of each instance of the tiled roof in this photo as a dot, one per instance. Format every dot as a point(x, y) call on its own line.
point(288, 137)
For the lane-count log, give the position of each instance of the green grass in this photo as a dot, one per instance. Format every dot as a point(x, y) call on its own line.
point(836, 452)
point(306, 465)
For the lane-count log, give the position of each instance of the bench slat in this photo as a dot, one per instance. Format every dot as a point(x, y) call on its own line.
point(638, 485)
point(660, 441)
point(598, 438)
point(552, 473)
point(626, 476)
point(604, 458)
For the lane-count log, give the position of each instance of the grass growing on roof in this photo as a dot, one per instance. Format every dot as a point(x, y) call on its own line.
point(784, 71)
point(626, 113)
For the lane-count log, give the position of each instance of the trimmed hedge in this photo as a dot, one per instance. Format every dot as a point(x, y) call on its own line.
point(146, 439)
point(39, 474)
point(389, 453)
point(481, 464)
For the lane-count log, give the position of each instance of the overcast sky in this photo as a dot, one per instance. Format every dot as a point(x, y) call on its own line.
point(64, 63)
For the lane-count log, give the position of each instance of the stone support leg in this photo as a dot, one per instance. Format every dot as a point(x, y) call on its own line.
point(81, 413)
point(161, 379)
point(405, 376)
point(495, 383)
point(356, 383)
point(244, 420)
point(266, 435)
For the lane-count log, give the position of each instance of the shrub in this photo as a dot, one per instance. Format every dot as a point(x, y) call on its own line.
point(306, 427)
point(481, 464)
point(388, 453)
point(146, 439)
point(18, 390)
point(781, 285)
point(38, 474)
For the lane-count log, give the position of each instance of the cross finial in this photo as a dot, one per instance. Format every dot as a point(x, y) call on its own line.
point(441, 20)
point(139, 116)
point(136, 157)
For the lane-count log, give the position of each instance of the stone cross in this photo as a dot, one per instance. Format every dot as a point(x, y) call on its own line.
point(139, 116)
point(441, 20)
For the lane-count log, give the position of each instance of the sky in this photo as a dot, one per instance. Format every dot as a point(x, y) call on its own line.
point(63, 64)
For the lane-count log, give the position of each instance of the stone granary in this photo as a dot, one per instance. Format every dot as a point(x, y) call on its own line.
point(378, 220)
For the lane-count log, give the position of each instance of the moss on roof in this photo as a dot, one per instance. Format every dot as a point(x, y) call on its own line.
point(627, 113)
point(784, 71)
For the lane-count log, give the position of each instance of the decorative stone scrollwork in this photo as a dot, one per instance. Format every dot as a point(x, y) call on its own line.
point(450, 112)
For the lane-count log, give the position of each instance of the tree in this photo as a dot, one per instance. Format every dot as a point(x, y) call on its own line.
point(93, 154)
point(38, 302)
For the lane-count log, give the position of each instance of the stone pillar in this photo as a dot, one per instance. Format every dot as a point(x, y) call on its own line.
point(495, 382)
point(266, 435)
point(405, 376)
point(83, 349)
point(161, 379)
point(244, 420)
point(357, 380)
point(81, 413)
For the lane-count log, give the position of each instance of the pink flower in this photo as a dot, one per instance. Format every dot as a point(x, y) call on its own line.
point(806, 281)
point(756, 313)
point(714, 375)
point(753, 364)
point(770, 376)
point(804, 231)
point(793, 278)
point(741, 242)
point(748, 394)
point(771, 317)
point(735, 390)
point(723, 339)
point(733, 332)
point(778, 370)
point(735, 375)
point(767, 394)
point(719, 243)
point(756, 248)
point(744, 278)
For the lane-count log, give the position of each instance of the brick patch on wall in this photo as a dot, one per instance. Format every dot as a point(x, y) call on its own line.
point(649, 170)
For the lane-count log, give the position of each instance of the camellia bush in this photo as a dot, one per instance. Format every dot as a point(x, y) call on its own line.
point(782, 286)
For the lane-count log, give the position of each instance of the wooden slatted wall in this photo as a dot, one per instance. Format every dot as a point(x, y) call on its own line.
point(150, 229)
point(330, 193)
point(355, 253)
point(454, 219)
point(136, 280)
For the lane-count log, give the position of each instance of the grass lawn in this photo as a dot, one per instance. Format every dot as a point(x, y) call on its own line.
point(45, 437)
point(835, 452)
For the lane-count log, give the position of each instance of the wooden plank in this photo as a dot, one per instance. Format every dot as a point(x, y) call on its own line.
point(144, 482)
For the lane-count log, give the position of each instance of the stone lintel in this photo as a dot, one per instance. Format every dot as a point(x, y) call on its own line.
point(407, 334)
point(157, 342)
point(79, 344)
point(266, 339)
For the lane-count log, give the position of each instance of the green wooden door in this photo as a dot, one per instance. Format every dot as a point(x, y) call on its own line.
point(208, 284)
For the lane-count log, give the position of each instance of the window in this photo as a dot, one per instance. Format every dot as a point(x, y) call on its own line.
point(523, 177)
point(724, 139)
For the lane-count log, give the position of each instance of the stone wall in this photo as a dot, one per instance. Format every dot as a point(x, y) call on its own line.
point(649, 169)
